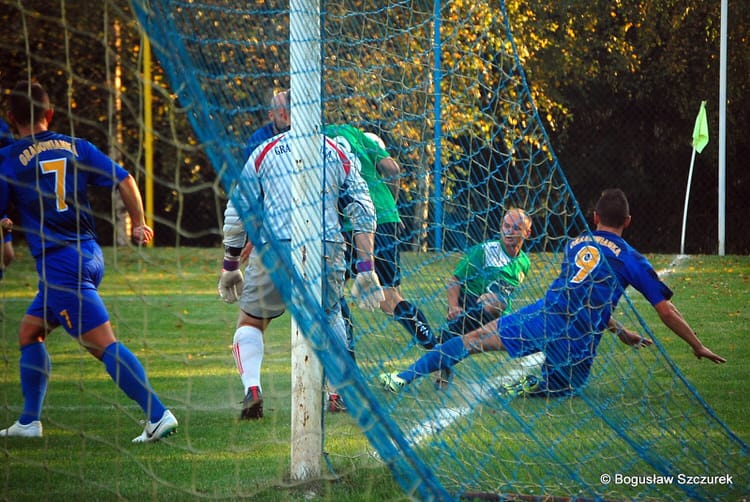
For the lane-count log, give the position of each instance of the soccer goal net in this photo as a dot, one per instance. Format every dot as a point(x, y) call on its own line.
point(442, 84)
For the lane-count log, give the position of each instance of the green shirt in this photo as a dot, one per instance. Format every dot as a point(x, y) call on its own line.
point(487, 263)
point(369, 153)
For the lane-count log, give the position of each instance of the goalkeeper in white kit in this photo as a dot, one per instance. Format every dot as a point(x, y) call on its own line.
point(265, 191)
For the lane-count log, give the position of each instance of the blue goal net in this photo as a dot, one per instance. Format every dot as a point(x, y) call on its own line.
point(441, 83)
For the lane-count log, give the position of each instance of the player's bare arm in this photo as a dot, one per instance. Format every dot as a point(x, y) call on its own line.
point(454, 291)
point(131, 197)
point(672, 318)
point(390, 171)
point(492, 304)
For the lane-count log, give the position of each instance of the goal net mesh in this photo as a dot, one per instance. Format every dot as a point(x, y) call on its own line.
point(442, 84)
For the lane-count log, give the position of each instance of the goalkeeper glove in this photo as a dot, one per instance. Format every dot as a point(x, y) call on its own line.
point(366, 289)
point(230, 282)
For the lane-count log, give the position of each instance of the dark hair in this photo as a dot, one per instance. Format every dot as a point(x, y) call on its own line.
point(29, 103)
point(613, 208)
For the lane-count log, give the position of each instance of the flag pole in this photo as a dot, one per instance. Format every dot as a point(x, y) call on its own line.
point(722, 188)
point(699, 142)
point(687, 198)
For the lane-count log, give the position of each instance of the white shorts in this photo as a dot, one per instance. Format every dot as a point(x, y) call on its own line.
point(261, 298)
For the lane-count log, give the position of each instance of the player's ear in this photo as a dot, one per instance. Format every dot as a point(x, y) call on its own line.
point(627, 222)
point(596, 218)
point(48, 115)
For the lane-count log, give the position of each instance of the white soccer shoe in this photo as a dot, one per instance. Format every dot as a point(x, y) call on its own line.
point(32, 430)
point(155, 431)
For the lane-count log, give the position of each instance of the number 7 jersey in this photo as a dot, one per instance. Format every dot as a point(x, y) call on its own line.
point(46, 177)
point(596, 270)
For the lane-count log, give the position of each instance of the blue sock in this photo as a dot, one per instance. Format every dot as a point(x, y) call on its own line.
point(444, 355)
point(35, 368)
point(128, 373)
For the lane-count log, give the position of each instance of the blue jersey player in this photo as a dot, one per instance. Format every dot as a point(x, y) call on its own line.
point(45, 176)
point(567, 324)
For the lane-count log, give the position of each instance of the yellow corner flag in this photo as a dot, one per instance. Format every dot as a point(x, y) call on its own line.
point(700, 131)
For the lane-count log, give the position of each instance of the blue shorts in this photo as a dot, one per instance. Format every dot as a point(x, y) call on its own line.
point(68, 296)
point(568, 352)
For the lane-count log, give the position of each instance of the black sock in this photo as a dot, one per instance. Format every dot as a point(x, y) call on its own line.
point(411, 318)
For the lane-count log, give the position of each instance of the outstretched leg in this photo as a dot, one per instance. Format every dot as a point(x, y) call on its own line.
point(446, 355)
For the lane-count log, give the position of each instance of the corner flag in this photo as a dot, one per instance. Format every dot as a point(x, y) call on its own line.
point(700, 140)
point(700, 130)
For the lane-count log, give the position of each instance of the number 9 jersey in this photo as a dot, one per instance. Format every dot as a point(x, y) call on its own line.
point(596, 270)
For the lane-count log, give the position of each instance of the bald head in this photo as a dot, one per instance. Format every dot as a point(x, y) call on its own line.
point(516, 229)
point(516, 221)
point(279, 111)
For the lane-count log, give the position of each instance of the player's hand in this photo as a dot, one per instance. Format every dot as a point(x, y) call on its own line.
point(704, 351)
point(632, 338)
point(230, 282)
point(492, 304)
point(367, 290)
point(453, 312)
point(6, 224)
point(142, 234)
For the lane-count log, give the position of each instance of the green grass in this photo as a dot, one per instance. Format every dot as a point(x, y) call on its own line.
point(164, 305)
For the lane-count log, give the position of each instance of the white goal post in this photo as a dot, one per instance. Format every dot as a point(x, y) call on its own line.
point(307, 231)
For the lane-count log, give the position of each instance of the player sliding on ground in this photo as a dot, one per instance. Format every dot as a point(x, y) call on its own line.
point(45, 176)
point(567, 324)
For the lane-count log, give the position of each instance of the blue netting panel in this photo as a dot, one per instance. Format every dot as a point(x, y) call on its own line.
point(444, 87)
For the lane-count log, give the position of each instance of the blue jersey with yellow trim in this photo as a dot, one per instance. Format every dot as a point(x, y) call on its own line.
point(45, 177)
point(596, 270)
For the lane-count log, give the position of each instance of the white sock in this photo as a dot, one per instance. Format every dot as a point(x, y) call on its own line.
point(248, 355)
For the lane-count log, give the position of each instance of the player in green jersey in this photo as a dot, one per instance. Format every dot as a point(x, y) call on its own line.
point(483, 281)
point(381, 172)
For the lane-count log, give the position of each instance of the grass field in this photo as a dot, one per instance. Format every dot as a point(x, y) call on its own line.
point(164, 306)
